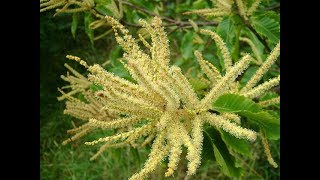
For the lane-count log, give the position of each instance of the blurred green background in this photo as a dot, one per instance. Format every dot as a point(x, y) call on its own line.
point(72, 161)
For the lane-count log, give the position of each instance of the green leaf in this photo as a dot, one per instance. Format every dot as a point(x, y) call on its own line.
point(235, 50)
point(226, 29)
point(82, 98)
point(222, 155)
point(248, 74)
point(238, 145)
point(267, 27)
point(268, 122)
point(260, 47)
point(199, 4)
point(115, 54)
point(87, 21)
point(252, 111)
point(148, 6)
point(95, 87)
point(122, 72)
point(136, 156)
point(186, 45)
point(74, 24)
point(207, 149)
point(133, 16)
point(103, 10)
point(197, 84)
point(235, 103)
point(271, 14)
point(269, 95)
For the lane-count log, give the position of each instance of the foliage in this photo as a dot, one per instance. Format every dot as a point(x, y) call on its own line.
point(166, 93)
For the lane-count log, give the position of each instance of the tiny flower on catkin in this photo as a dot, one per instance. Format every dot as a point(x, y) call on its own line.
point(225, 8)
point(161, 108)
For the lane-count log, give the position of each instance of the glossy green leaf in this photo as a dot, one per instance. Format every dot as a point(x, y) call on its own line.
point(226, 30)
point(248, 74)
point(225, 160)
point(95, 87)
point(74, 24)
point(197, 84)
point(88, 19)
point(240, 146)
point(115, 54)
point(252, 111)
point(267, 27)
point(207, 149)
point(259, 46)
point(136, 156)
point(187, 46)
point(268, 122)
point(235, 103)
point(103, 10)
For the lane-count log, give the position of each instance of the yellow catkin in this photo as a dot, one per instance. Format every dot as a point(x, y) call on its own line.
point(197, 139)
point(230, 76)
point(105, 147)
point(269, 102)
point(47, 3)
point(77, 135)
point(119, 108)
point(200, 11)
point(232, 117)
point(145, 43)
point(163, 121)
point(66, 95)
point(124, 135)
point(175, 151)
point(221, 45)
point(222, 8)
point(267, 150)
point(158, 152)
point(117, 123)
point(232, 128)
point(52, 6)
point(194, 25)
point(76, 73)
point(254, 49)
point(225, 4)
point(242, 8)
point(148, 140)
point(160, 106)
point(185, 90)
point(216, 13)
point(253, 7)
point(212, 72)
point(76, 10)
point(59, 11)
point(75, 58)
point(77, 129)
point(263, 69)
point(262, 88)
